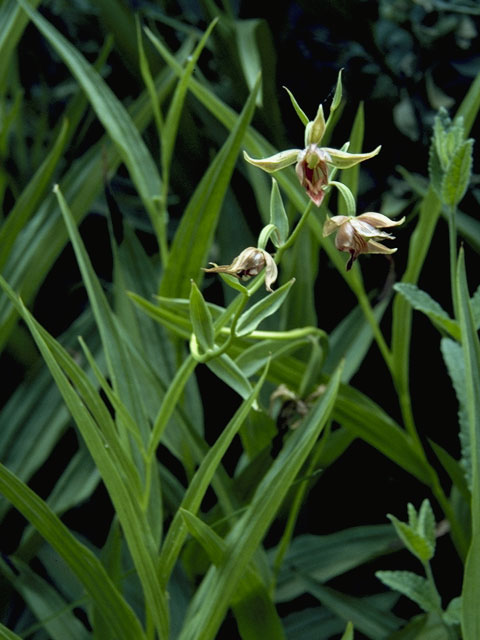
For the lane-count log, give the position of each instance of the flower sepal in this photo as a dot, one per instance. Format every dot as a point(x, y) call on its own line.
point(276, 162)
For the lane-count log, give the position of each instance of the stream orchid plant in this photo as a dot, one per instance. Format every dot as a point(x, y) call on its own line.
point(202, 532)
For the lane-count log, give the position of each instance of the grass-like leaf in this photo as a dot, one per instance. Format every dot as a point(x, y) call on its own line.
point(45, 602)
point(110, 112)
point(212, 599)
point(200, 482)
point(189, 250)
point(375, 623)
point(251, 318)
point(81, 560)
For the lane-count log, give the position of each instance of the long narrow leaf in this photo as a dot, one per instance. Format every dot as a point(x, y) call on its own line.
point(110, 112)
point(81, 560)
point(199, 484)
point(216, 591)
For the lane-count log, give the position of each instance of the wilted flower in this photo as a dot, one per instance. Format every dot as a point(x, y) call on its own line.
point(359, 234)
point(312, 161)
point(249, 263)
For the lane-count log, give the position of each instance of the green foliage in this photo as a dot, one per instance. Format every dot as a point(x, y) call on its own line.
point(202, 409)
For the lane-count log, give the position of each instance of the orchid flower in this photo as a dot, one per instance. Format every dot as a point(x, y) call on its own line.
point(249, 263)
point(313, 161)
point(360, 234)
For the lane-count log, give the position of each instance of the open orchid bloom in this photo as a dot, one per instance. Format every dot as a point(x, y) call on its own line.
point(249, 263)
point(360, 234)
point(312, 162)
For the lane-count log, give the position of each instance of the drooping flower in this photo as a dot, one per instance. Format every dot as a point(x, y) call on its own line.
point(249, 263)
point(313, 161)
point(360, 234)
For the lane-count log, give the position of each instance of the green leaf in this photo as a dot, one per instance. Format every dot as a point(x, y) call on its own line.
point(453, 468)
point(351, 339)
point(110, 112)
point(252, 606)
point(170, 128)
point(199, 484)
point(426, 523)
point(248, 52)
point(368, 619)
point(421, 301)
point(225, 368)
point(191, 244)
point(252, 317)
point(414, 587)
point(214, 595)
point(457, 178)
point(278, 216)
point(475, 304)
point(201, 318)
point(116, 467)
point(415, 542)
point(350, 178)
point(45, 602)
point(81, 560)
point(13, 21)
point(471, 353)
point(366, 420)
point(322, 558)
point(31, 196)
point(453, 356)
point(453, 612)
point(252, 358)
point(6, 634)
point(348, 633)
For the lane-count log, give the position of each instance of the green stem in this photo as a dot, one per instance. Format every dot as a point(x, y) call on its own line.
point(452, 240)
point(293, 236)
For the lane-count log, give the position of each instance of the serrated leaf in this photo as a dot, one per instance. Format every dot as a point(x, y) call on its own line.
point(475, 304)
point(453, 357)
point(201, 318)
point(412, 516)
point(413, 586)
point(453, 612)
point(415, 542)
point(457, 177)
point(426, 523)
point(422, 301)
point(435, 171)
point(251, 318)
